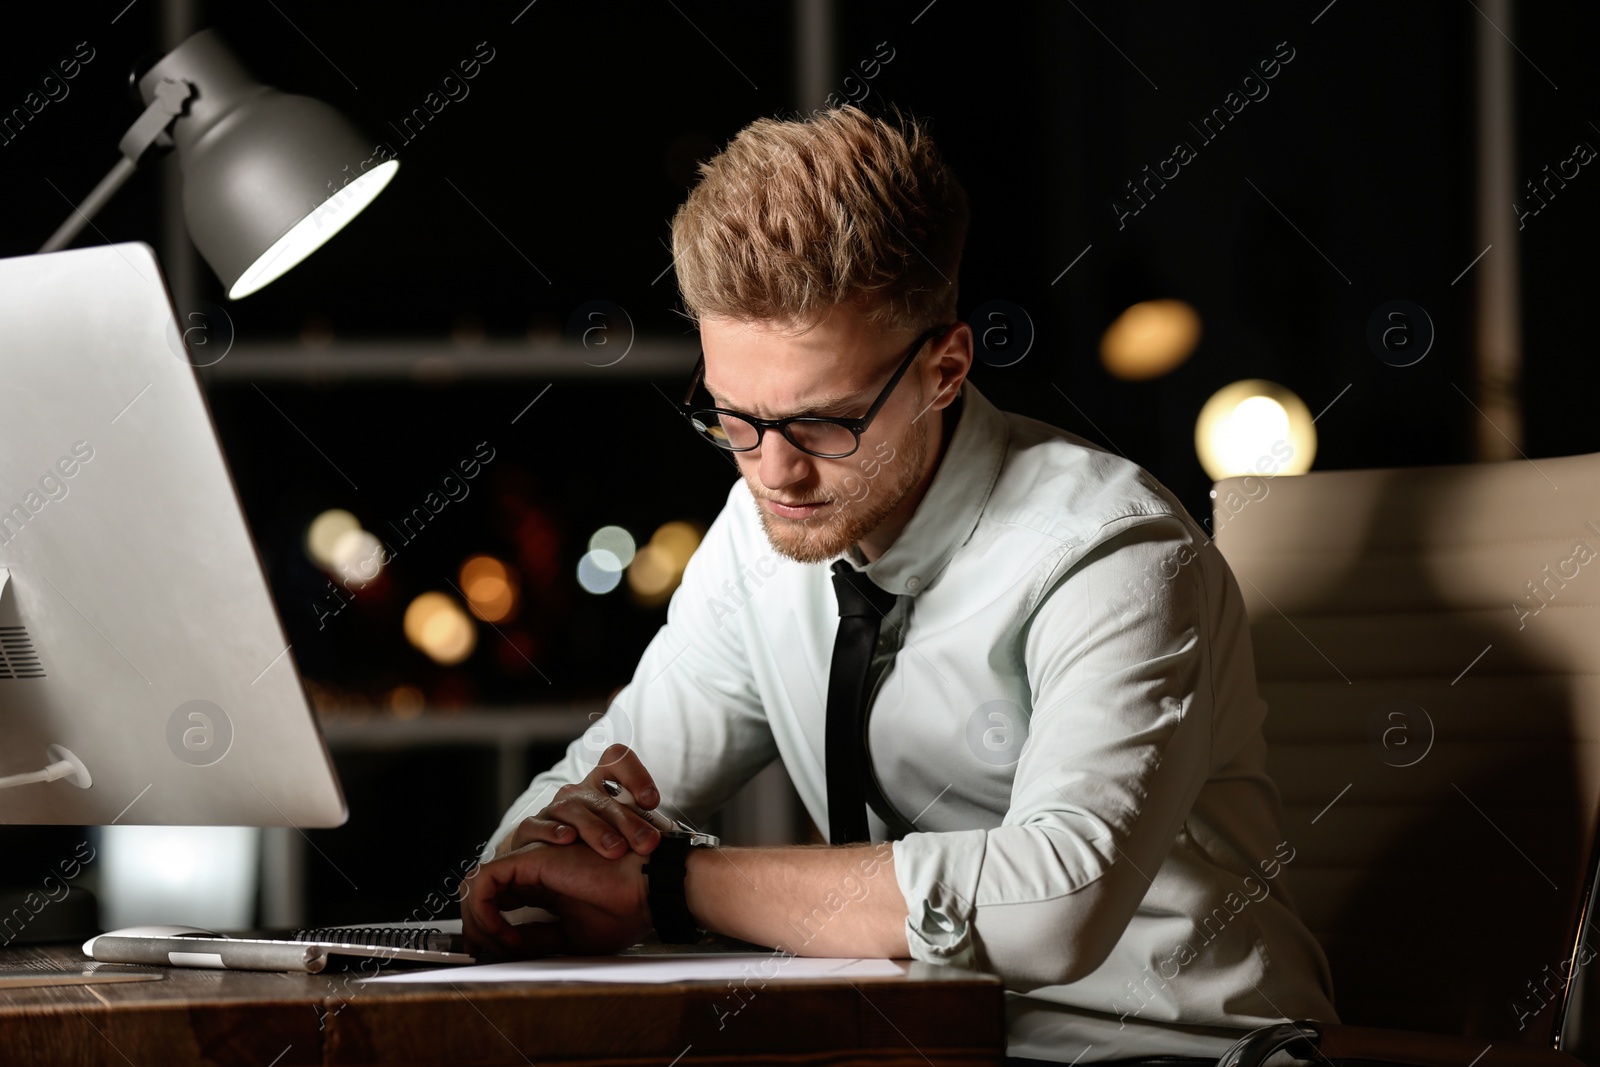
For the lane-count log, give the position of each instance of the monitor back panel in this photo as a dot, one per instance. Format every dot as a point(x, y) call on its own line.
point(136, 628)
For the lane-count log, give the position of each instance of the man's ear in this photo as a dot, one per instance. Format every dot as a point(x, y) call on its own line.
point(951, 361)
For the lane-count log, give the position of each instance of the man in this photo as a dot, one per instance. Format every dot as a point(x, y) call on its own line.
point(1063, 774)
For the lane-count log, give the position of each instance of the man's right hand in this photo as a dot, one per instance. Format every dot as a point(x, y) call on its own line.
point(585, 811)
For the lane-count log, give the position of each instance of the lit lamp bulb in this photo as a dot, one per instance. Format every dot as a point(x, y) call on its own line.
point(1255, 427)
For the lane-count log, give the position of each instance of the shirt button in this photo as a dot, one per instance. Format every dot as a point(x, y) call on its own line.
point(913, 582)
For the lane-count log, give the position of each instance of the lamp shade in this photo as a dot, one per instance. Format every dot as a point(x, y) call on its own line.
point(267, 176)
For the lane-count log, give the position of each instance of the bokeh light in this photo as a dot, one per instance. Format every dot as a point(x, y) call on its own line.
point(357, 557)
point(651, 574)
point(324, 533)
point(1150, 339)
point(336, 542)
point(490, 587)
point(405, 701)
point(615, 540)
point(658, 566)
point(438, 626)
point(599, 571)
point(538, 549)
point(678, 540)
point(1255, 427)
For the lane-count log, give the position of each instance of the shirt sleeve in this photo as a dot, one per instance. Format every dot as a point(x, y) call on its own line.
point(1118, 747)
point(691, 711)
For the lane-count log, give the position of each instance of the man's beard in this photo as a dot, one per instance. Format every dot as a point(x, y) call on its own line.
point(844, 521)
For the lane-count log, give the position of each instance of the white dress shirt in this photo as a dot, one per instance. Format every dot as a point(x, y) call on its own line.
point(1066, 713)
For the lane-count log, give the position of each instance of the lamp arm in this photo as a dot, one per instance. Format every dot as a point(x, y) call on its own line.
point(172, 98)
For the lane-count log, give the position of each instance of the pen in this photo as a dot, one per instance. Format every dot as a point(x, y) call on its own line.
point(654, 818)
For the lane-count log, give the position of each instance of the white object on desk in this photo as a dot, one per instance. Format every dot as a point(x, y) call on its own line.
point(189, 946)
point(699, 967)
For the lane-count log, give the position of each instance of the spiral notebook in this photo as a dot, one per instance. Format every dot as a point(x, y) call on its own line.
point(311, 950)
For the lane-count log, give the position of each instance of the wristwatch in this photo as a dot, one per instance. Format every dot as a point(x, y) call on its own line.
point(664, 871)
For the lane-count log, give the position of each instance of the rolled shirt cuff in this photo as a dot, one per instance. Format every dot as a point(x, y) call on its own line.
point(938, 876)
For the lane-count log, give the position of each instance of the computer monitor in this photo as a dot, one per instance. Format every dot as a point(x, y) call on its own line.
point(140, 651)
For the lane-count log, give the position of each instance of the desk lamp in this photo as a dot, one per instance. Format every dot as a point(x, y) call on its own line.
point(267, 176)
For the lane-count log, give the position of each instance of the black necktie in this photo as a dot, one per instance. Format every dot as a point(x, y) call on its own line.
point(862, 606)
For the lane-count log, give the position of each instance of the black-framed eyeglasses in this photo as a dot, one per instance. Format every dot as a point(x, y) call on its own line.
point(823, 436)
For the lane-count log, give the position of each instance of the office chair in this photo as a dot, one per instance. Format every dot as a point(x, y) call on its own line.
point(1427, 641)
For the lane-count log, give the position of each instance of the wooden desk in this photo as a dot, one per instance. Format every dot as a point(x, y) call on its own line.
point(936, 1016)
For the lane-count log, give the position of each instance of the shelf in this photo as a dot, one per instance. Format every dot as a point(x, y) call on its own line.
point(512, 727)
point(444, 362)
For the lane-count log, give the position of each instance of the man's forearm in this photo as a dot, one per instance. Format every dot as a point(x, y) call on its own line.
point(808, 901)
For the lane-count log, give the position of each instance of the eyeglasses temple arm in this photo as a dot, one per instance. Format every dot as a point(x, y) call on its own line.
point(905, 365)
point(699, 370)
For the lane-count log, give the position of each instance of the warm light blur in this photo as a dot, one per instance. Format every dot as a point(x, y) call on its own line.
point(658, 566)
point(324, 533)
point(538, 548)
point(651, 574)
point(490, 588)
point(1255, 427)
point(436, 624)
point(1149, 339)
point(336, 542)
point(678, 540)
point(406, 701)
point(357, 557)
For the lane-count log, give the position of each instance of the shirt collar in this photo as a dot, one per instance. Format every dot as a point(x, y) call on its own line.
point(949, 510)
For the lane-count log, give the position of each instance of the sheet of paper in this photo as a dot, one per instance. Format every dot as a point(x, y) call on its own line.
point(701, 967)
point(15, 979)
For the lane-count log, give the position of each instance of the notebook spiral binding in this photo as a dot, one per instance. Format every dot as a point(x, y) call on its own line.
point(387, 936)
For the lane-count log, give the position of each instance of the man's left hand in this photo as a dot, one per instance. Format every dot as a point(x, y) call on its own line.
point(601, 903)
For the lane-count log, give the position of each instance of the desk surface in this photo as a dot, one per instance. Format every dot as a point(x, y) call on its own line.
point(938, 1016)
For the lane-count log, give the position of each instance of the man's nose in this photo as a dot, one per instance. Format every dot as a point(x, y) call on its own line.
point(779, 462)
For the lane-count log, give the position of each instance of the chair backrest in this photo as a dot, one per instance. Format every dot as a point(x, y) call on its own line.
point(1428, 643)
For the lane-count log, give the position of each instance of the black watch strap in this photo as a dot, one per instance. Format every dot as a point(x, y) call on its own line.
point(669, 905)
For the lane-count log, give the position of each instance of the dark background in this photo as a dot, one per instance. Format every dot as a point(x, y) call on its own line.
point(553, 182)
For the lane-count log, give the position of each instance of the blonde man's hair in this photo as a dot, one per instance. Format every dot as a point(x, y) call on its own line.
point(794, 217)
